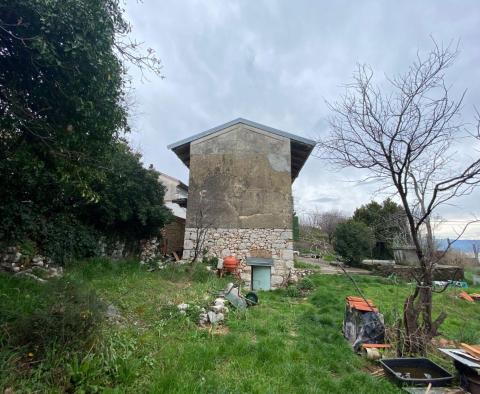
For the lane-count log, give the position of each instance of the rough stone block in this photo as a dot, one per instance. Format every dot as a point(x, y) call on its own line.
point(287, 254)
point(276, 281)
point(188, 244)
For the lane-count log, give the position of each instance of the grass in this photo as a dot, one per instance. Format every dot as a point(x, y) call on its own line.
point(285, 344)
point(303, 265)
point(330, 257)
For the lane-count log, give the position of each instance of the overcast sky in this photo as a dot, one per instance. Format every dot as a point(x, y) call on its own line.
point(276, 62)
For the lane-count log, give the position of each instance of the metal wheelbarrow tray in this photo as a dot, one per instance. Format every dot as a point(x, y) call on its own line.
point(416, 372)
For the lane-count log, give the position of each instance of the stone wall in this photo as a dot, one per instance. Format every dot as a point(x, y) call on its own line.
point(243, 243)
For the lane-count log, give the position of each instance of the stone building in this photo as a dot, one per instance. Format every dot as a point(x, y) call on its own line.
point(176, 193)
point(240, 196)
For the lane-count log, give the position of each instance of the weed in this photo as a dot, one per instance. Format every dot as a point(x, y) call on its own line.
point(293, 291)
point(306, 284)
point(304, 265)
point(285, 344)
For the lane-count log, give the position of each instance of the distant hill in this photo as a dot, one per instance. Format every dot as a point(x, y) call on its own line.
point(464, 245)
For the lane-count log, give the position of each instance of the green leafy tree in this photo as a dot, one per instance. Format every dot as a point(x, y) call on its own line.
point(353, 241)
point(130, 198)
point(62, 112)
point(388, 223)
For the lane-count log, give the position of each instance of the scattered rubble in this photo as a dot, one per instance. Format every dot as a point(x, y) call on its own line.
point(214, 315)
point(37, 267)
point(296, 274)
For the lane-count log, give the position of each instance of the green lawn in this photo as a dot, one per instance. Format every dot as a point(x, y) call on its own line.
point(285, 344)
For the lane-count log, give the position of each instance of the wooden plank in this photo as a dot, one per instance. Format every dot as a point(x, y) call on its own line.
point(470, 349)
point(464, 295)
point(376, 346)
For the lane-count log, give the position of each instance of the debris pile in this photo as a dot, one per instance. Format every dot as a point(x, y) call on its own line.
point(296, 274)
point(363, 324)
point(150, 250)
point(37, 267)
point(215, 315)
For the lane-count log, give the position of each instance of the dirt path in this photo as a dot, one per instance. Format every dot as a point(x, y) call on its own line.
point(329, 269)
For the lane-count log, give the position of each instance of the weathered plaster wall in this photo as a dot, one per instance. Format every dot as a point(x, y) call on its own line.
point(240, 178)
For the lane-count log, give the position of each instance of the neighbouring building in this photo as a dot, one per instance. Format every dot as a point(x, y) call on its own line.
point(173, 233)
point(240, 194)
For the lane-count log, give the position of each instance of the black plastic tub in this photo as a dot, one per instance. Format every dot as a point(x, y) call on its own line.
point(416, 372)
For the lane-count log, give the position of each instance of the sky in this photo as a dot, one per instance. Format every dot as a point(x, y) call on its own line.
point(278, 63)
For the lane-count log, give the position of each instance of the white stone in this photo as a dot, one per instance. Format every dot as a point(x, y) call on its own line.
point(217, 308)
point(188, 244)
point(182, 307)
point(276, 280)
point(215, 318)
point(287, 254)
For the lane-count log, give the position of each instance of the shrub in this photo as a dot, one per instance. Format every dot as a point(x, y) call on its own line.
point(293, 291)
point(65, 238)
point(353, 241)
point(67, 317)
point(306, 284)
point(27, 247)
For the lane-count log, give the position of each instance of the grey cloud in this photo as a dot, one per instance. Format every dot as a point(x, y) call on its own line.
point(323, 200)
point(276, 62)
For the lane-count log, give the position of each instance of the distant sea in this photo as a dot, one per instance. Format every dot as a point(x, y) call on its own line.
point(464, 245)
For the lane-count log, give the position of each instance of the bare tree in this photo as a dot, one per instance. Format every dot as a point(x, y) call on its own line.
point(404, 138)
point(316, 224)
point(328, 222)
point(201, 225)
point(475, 252)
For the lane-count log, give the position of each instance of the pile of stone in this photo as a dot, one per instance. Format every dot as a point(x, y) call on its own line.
point(11, 259)
point(215, 315)
point(14, 261)
point(296, 274)
point(150, 250)
point(301, 273)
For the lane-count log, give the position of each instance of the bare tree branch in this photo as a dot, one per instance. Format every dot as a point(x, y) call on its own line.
point(404, 138)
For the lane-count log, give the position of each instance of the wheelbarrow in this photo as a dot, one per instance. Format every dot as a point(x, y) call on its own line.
point(232, 293)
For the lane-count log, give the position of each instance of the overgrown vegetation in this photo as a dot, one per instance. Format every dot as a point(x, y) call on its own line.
point(354, 241)
point(278, 345)
point(317, 231)
point(288, 343)
point(67, 177)
point(388, 224)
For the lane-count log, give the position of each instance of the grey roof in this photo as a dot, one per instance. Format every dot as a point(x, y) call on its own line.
point(300, 147)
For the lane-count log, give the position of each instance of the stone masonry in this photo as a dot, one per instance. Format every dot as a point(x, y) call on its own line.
point(243, 243)
point(240, 189)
